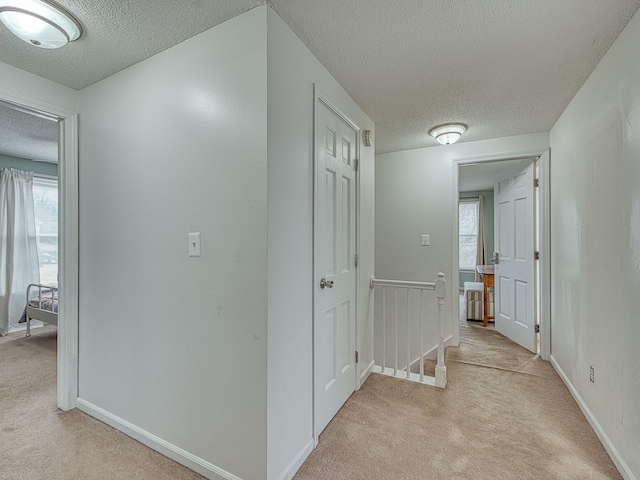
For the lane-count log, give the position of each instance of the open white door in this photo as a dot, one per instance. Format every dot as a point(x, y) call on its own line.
point(514, 265)
point(335, 270)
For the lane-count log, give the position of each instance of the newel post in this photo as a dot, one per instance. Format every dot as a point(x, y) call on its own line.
point(441, 369)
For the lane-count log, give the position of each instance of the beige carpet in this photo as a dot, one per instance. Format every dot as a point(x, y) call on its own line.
point(504, 415)
point(38, 441)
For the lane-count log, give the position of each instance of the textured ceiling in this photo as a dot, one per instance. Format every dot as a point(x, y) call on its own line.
point(503, 67)
point(481, 176)
point(117, 34)
point(28, 136)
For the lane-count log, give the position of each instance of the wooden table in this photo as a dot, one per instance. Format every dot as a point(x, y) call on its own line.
point(487, 272)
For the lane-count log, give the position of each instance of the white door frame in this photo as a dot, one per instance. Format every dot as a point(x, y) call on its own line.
point(319, 96)
point(67, 373)
point(544, 236)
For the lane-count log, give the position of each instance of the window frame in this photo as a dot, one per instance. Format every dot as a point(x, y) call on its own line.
point(47, 181)
point(476, 202)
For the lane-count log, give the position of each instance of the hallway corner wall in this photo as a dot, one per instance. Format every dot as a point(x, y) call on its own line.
point(595, 228)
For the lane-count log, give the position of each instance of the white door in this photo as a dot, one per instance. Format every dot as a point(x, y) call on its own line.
point(334, 251)
point(514, 244)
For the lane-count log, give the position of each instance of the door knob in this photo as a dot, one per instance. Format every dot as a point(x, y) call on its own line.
point(496, 258)
point(326, 283)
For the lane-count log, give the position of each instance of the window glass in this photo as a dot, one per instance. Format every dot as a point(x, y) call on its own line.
point(45, 206)
point(468, 241)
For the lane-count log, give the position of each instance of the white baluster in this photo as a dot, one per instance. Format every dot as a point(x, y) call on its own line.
point(441, 369)
point(384, 330)
point(408, 334)
point(421, 339)
point(395, 367)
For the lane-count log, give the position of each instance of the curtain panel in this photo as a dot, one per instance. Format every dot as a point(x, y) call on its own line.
point(18, 250)
point(481, 254)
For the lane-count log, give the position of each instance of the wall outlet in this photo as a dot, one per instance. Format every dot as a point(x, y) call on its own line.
point(591, 374)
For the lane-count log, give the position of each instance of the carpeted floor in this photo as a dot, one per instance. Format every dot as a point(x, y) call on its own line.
point(40, 442)
point(505, 414)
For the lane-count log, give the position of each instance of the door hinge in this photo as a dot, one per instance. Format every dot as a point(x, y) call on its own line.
point(356, 259)
point(356, 356)
point(536, 255)
point(537, 328)
point(356, 164)
point(536, 182)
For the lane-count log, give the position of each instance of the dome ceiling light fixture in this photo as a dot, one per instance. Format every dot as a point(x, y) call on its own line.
point(40, 22)
point(448, 133)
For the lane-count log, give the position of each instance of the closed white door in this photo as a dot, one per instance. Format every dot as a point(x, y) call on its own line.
point(335, 276)
point(514, 244)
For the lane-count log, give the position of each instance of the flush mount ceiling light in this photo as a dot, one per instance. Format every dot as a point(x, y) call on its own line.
point(40, 22)
point(449, 133)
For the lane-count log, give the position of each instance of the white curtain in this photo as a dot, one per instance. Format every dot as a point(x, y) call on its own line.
point(481, 254)
point(18, 250)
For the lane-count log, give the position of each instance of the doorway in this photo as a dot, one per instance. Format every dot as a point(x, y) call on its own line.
point(67, 349)
point(474, 177)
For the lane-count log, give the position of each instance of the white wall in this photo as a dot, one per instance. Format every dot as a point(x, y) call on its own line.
point(414, 196)
point(18, 82)
point(595, 225)
point(177, 346)
point(292, 72)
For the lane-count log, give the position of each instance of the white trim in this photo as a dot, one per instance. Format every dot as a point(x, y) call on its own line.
point(617, 459)
point(67, 374)
point(314, 268)
point(545, 266)
point(35, 107)
point(432, 354)
point(544, 246)
point(455, 253)
point(156, 443)
point(497, 158)
point(297, 462)
point(358, 251)
point(45, 180)
point(68, 265)
point(366, 372)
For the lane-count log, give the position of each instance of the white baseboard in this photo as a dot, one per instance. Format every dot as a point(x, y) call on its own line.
point(297, 462)
point(620, 464)
point(431, 354)
point(366, 372)
point(167, 449)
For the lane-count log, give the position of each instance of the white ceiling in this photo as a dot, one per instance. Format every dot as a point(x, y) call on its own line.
point(503, 67)
point(477, 177)
point(28, 136)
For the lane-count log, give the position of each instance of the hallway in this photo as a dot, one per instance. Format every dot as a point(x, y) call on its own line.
point(505, 414)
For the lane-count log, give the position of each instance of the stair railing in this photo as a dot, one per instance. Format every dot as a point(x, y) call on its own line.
point(440, 289)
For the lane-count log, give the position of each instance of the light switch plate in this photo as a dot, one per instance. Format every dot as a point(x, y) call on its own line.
point(426, 240)
point(194, 244)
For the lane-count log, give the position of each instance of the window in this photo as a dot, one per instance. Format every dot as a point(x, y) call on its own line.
point(45, 206)
point(468, 230)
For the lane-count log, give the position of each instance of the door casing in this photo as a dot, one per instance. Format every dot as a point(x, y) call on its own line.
point(67, 370)
point(543, 235)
